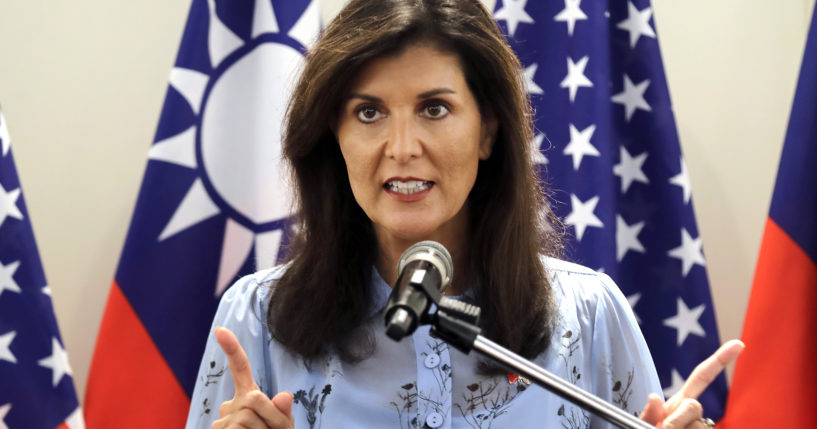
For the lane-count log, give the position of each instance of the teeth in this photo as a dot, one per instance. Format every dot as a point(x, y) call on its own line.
point(409, 187)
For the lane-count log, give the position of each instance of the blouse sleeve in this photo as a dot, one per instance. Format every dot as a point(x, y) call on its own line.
point(623, 372)
point(241, 310)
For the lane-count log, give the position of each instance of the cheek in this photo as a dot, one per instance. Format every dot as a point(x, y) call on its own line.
point(460, 170)
point(464, 152)
point(360, 169)
point(464, 162)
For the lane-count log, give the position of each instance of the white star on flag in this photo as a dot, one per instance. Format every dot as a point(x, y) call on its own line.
point(675, 387)
point(580, 145)
point(689, 252)
point(530, 84)
point(4, 409)
point(682, 180)
point(8, 204)
point(686, 321)
point(633, 301)
point(536, 149)
point(570, 14)
point(513, 12)
point(627, 237)
point(632, 97)
point(5, 344)
point(57, 362)
point(581, 215)
point(7, 277)
point(637, 23)
point(575, 77)
point(629, 169)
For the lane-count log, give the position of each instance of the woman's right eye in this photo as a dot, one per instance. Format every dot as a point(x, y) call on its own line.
point(368, 114)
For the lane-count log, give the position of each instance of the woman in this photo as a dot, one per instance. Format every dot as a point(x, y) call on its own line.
point(410, 122)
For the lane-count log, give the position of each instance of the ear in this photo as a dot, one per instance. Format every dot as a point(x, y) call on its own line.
point(487, 134)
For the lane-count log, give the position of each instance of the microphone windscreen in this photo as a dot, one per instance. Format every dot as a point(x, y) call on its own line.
point(432, 252)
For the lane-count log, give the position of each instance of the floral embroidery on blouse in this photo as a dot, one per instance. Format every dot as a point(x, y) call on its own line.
point(407, 399)
point(442, 373)
point(571, 417)
point(623, 389)
point(485, 402)
point(313, 402)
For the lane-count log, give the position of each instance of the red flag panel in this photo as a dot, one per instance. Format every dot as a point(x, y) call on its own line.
point(775, 378)
point(123, 345)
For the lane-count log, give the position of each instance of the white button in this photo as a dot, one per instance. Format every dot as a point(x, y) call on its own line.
point(434, 420)
point(432, 360)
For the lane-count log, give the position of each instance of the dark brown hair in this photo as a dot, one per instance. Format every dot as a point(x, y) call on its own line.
point(323, 299)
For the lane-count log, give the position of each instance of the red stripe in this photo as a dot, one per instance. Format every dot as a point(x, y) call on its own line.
point(775, 382)
point(130, 385)
point(63, 425)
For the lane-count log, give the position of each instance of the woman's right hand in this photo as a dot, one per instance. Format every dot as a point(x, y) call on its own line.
point(250, 408)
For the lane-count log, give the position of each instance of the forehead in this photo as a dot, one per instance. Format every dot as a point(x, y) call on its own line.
point(415, 64)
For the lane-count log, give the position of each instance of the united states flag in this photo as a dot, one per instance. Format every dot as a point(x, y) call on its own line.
point(36, 387)
point(608, 148)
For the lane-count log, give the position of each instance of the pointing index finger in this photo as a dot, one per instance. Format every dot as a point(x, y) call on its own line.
point(703, 374)
point(237, 360)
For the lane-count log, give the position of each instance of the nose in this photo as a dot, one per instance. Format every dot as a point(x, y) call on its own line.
point(403, 142)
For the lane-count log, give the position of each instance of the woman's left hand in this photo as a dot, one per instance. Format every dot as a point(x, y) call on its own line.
point(683, 410)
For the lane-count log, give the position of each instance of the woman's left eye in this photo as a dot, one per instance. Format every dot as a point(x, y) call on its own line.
point(435, 110)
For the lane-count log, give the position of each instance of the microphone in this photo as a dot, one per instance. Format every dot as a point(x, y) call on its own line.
point(425, 271)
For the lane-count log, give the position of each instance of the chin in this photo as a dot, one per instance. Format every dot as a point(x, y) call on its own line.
point(413, 231)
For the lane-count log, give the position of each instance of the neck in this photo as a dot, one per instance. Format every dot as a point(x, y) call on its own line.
point(455, 241)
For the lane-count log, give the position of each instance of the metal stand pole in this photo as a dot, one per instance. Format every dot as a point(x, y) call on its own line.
point(454, 323)
point(549, 381)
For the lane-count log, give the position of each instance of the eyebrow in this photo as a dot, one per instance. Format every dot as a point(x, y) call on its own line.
point(436, 91)
point(427, 94)
point(366, 97)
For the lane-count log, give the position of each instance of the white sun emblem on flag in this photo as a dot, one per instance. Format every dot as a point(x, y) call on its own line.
point(234, 145)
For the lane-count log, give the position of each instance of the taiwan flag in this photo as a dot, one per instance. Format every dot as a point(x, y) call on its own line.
point(36, 381)
point(214, 205)
point(775, 382)
point(607, 147)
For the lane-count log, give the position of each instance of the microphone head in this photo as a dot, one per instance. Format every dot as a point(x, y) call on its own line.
point(434, 253)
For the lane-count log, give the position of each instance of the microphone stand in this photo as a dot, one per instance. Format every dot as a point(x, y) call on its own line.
point(455, 322)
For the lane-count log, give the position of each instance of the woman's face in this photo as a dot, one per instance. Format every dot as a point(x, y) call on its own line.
point(412, 136)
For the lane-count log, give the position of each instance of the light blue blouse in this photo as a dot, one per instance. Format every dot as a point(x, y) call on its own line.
point(421, 382)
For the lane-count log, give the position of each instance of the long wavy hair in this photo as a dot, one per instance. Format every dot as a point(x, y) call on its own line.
point(323, 300)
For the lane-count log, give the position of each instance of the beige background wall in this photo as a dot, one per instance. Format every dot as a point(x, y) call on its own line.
point(82, 84)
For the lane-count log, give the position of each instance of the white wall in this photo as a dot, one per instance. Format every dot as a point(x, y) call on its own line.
point(82, 84)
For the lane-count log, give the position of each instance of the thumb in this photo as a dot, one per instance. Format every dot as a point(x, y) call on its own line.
point(654, 410)
point(283, 401)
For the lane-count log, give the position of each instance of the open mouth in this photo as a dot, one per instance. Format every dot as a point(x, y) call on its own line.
point(408, 187)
